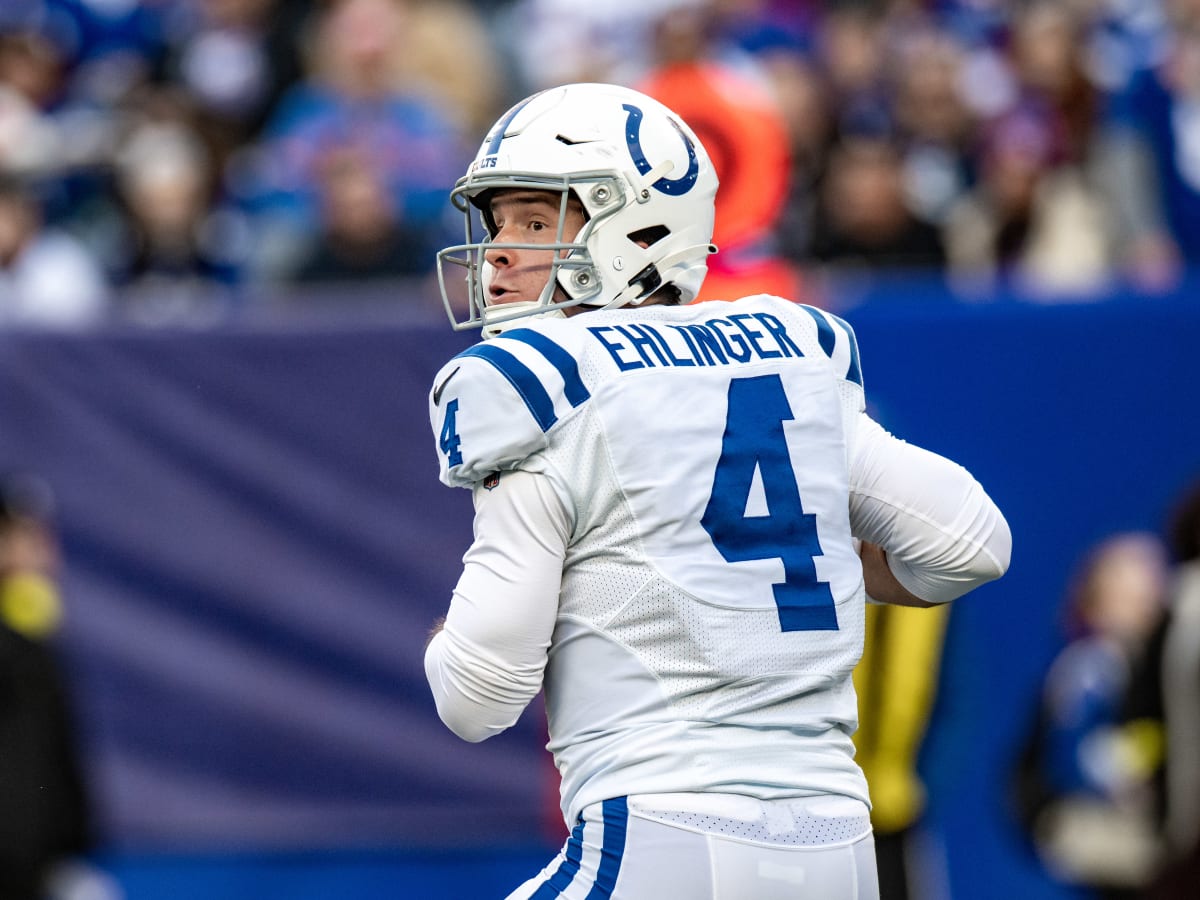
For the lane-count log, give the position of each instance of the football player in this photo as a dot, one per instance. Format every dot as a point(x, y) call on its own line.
point(680, 511)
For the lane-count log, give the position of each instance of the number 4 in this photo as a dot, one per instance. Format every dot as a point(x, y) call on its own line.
point(754, 440)
point(449, 440)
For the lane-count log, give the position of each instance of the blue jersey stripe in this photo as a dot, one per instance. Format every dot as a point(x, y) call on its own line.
point(825, 334)
point(855, 373)
point(616, 819)
point(567, 870)
point(541, 407)
point(567, 365)
point(827, 338)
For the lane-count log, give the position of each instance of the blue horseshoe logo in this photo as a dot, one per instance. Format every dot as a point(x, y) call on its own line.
point(633, 138)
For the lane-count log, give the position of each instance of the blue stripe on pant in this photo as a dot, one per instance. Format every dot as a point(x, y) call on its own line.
point(615, 817)
point(566, 871)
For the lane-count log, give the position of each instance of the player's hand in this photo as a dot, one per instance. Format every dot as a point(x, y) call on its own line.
point(881, 584)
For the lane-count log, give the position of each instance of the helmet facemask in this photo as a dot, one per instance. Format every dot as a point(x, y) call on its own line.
point(571, 268)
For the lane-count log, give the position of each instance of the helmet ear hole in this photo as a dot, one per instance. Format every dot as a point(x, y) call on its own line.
point(648, 237)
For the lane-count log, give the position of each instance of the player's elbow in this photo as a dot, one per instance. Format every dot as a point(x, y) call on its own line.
point(471, 700)
point(987, 563)
point(467, 718)
point(984, 556)
point(466, 726)
point(956, 569)
point(994, 557)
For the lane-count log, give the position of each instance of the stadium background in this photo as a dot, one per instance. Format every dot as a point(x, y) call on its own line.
point(255, 542)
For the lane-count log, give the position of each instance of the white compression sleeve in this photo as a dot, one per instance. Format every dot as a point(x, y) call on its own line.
point(486, 663)
point(943, 534)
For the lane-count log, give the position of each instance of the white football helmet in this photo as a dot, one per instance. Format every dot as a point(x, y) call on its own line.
point(642, 176)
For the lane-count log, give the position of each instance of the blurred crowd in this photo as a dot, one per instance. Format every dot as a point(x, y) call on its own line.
point(168, 159)
point(1107, 784)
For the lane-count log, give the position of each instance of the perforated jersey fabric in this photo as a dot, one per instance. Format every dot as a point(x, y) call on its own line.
point(783, 823)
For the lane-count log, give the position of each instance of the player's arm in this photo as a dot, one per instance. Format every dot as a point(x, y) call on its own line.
point(930, 531)
point(485, 663)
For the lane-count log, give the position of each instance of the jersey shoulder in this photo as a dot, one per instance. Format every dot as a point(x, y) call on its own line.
point(834, 335)
point(492, 406)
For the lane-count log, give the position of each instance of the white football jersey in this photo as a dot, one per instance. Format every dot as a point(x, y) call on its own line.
point(711, 603)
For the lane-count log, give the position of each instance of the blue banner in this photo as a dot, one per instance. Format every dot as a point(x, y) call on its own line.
point(256, 546)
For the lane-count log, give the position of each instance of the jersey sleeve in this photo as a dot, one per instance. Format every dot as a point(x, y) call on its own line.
point(480, 422)
point(486, 664)
point(492, 406)
point(836, 340)
point(943, 534)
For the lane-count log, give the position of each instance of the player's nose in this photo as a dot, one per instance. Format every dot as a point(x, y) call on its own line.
point(500, 257)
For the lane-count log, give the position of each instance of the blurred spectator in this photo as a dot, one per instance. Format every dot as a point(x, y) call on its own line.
point(563, 41)
point(765, 27)
point(111, 47)
point(45, 827)
point(362, 236)
point(1181, 693)
point(896, 681)
point(355, 98)
point(851, 47)
point(1047, 50)
point(172, 250)
point(235, 59)
point(48, 279)
point(30, 75)
point(1149, 151)
point(451, 53)
point(1033, 220)
point(803, 103)
point(863, 220)
point(1085, 778)
point(734, 113)
point(1166, 689)
point(935, 122)
point(41, 134)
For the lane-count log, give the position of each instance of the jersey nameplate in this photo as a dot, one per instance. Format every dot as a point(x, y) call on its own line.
point(721, 341)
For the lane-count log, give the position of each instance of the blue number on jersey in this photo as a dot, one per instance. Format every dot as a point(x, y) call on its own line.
point(754, 439)
point(449, 440)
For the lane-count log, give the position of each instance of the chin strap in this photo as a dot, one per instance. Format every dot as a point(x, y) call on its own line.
point(643, 285)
